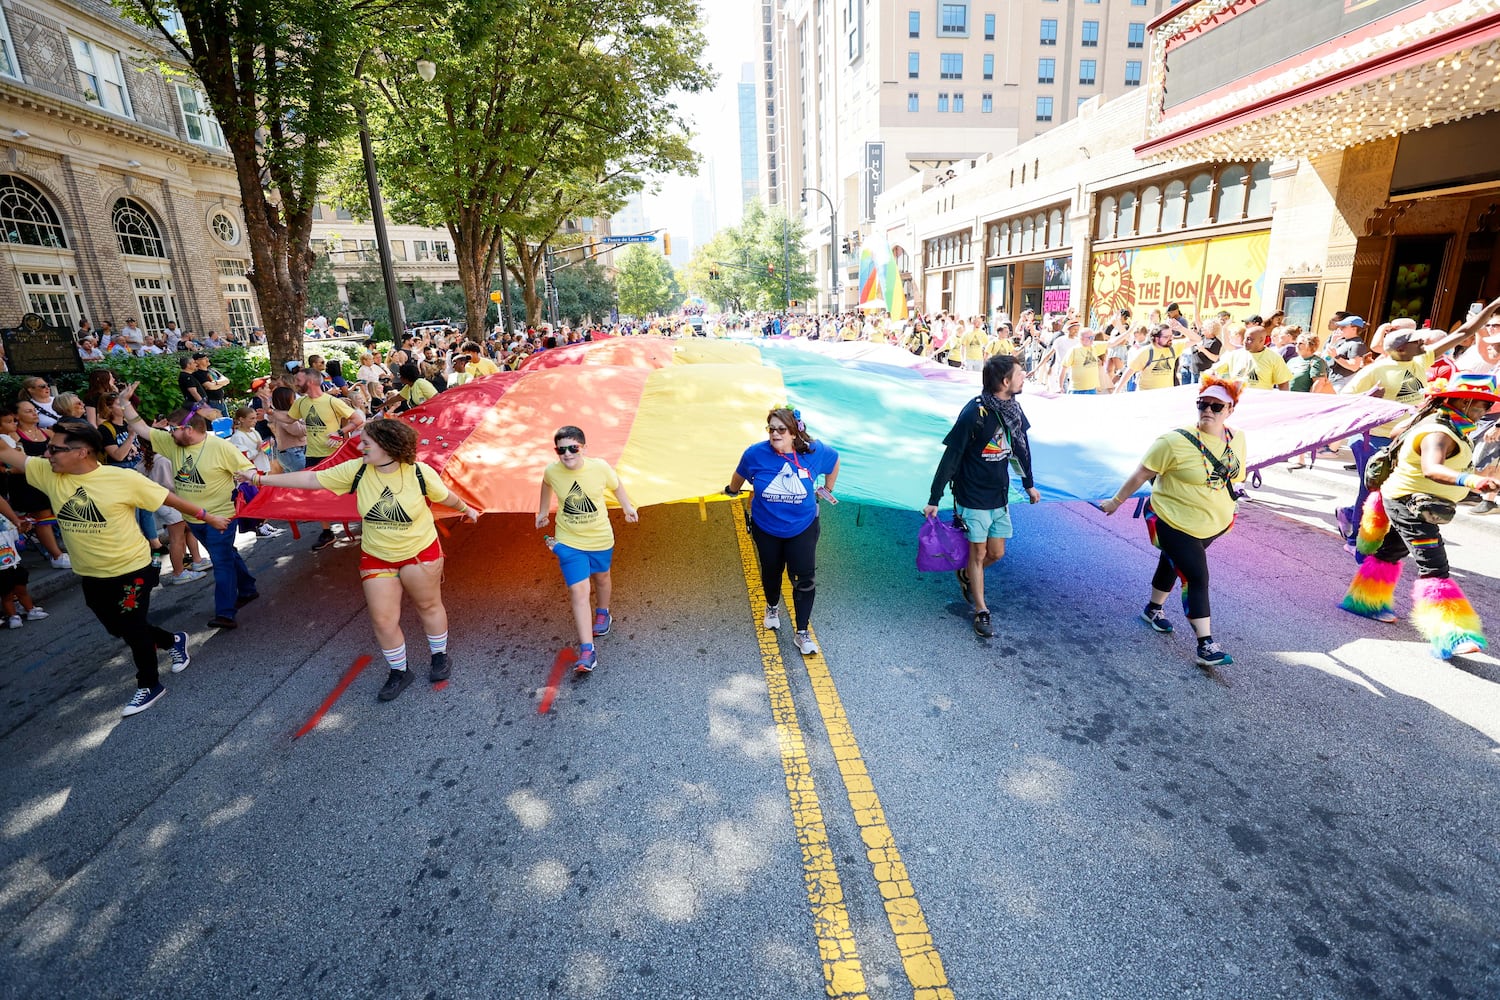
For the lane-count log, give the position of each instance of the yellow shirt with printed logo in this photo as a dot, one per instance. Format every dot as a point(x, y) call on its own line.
point(205, 471)
point(322, 416)
point(1265, 369)
point(481, 367)
point(1182, 494)
point(582, 518)
point(396, 523)
point(1402, 382)
point(1083, 363)
point(1156, 365)
point(96, 512)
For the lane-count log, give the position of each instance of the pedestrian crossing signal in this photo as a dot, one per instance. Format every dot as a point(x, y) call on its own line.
point(666, 244)
point(713, 274)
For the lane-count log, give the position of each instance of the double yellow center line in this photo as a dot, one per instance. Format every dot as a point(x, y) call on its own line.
point(843, 971)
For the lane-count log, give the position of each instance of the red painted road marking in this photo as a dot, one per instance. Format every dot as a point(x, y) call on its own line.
point(550, 691)
point(340, 688)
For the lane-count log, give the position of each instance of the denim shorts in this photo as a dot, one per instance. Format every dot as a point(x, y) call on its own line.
point(986, 524)
point(293, 459)
point(578, 564)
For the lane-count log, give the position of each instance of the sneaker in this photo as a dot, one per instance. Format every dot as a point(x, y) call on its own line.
point(201, 565)
point(395, 683)
point(1157, 619)
point(982, 624)
point(325, 539)
point(586, 662)
point(266, 531)
point(61, 562)
point(14, 621)
point(602, 622)
point(1211, 654)
point(1347, 527)
point(186, 576)
point(440, 668)
point(1485, 507)
point(144, 699)
point(773, 617)
point(35, 614)
point(1467, 648)
point(222, 621)
point(180, 655)
point(963, 582)
point(805, 644)
point(1388, 617)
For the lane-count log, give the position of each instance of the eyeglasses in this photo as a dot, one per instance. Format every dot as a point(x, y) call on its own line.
point(54, 450)
point(776, 429)
point(569, 449)
point(1211, 404)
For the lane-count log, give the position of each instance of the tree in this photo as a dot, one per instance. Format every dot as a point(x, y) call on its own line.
point(584, 291)
point(276, 74)
point(646, 282)
point(760, 263)
point(539, 112)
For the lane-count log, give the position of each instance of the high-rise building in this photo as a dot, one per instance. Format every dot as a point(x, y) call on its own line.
point(859, 94)
point(749, 143)
point(769, 116)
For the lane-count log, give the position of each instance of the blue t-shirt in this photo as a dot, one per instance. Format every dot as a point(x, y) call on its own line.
point(784, 504)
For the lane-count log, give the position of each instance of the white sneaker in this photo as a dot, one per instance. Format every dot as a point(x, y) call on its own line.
point(36, 614)
point(805, 644)
point(773, 616)
point(201, 565)
point(267, 531)
point(62, 562)
point(186, 576)
point(14, 621)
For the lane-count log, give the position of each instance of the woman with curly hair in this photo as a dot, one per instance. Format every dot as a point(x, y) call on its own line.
point(1192, 503)
point(1431, 473)
point(401, 550)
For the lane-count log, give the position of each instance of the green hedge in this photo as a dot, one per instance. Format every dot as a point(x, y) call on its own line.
point(157, 375)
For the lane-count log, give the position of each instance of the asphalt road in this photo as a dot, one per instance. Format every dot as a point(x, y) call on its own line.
point(1071, 809)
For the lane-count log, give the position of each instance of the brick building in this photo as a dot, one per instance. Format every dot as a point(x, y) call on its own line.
point(118, 198)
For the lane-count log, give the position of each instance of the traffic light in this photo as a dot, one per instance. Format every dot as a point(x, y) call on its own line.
point(713, 274)
point(666, 244)
point(844, 246)
point(771, 269)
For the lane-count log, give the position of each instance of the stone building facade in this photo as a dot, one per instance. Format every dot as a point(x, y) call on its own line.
point(118, 199)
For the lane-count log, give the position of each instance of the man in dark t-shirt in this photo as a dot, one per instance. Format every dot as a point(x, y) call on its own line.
point(188, 383)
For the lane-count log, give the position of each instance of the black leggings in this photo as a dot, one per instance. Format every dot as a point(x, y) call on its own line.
point(798, 556)
point(1185, 558)
point(122, 603)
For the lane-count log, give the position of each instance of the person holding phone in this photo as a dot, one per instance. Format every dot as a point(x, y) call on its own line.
point(783, 470)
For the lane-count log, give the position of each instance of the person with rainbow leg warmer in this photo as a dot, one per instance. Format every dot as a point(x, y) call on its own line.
point(1431, 474)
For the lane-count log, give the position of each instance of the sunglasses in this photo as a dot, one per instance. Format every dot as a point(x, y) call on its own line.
point(776, 429)
point(54, 450)
point(1210, 404)
point(569, 449)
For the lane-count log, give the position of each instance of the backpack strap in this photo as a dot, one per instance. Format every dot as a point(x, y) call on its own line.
point(421, 480)
point(359, 474)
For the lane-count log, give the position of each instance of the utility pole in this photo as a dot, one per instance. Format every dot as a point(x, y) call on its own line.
point(786, 264)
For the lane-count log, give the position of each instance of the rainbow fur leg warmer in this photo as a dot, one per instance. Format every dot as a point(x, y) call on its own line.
point(1444, 616)
point(1373, 587)
point(1374, 525)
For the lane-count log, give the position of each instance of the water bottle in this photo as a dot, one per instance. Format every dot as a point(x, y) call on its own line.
point(550, 542)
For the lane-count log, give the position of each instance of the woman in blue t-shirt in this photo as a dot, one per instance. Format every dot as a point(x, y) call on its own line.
point(784, 471)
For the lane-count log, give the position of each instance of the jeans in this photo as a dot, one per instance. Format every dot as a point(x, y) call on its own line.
point(1362, 449)
point(232, 579)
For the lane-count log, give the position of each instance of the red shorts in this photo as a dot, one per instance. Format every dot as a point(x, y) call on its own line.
point(373, 566)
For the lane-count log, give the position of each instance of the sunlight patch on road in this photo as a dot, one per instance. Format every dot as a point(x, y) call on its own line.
point(29, 815)
point(1407, 669)
point(529, 809)
point(225, 814)
point(1328, 665)
point(158, 836)
point(587, 975)
point(1039, 779)
point(548, 879)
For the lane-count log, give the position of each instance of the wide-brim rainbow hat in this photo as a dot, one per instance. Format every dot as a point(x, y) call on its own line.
point(1466, 385)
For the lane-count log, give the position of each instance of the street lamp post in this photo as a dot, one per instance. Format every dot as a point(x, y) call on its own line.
point(377, 209)
point(833, 245)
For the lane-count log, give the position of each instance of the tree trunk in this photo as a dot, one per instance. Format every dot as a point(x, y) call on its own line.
point(528, 261)
point(278, 268)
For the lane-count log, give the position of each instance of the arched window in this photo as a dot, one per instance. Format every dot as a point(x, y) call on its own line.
point(1231, 195)
point(1041, 231)
point(27, 217)
point(1056, 236)
point(1004, 239)
point(1107, 209)
point(1150, 210)
point(1200, 189)
point(1260, 191)
point(135, 231)
point(1127, 214)
point(1172, 205)
point(1028, 236)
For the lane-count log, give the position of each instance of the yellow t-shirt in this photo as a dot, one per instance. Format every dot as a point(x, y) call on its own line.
point(1155, 364)
point(1406, 476)
point(1001, 345)
point(96, 512)
point(323, 416)
point(582, 519)
point(972, 345)
point(1403, 382)
point(418, 392)
point(1181, 495)
point(205, 471)
point(396, 522)
point(1083, 361)
point(480, 368)
point(1265, 370)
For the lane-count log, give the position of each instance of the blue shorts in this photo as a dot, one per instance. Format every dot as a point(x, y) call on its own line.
point(986, 524)
point(577, 564)
point(1084, 392)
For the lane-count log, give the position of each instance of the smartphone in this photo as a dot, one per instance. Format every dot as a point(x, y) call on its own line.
point(824, 493)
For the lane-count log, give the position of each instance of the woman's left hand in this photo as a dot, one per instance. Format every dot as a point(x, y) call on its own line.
point(632, 515)
point(471, 514)
point(1110, 506)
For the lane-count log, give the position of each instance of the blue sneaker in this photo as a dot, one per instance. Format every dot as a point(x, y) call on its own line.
point(602, 622)
point(144, 699)
point(180, 657)
point(586, 662)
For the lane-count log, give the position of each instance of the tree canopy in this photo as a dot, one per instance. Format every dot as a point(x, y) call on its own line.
point(760, 263)
point(646, 282)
